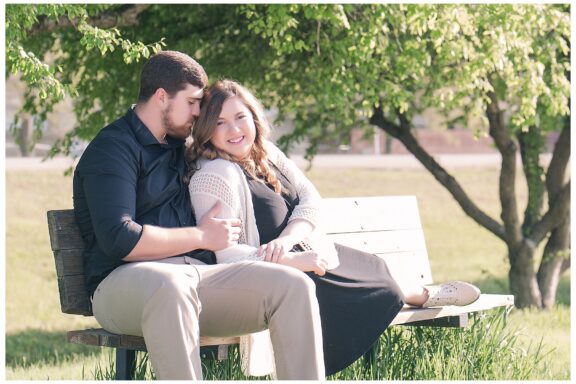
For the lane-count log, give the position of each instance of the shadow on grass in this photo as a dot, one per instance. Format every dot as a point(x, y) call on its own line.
point(498, 285)
point(32, 347)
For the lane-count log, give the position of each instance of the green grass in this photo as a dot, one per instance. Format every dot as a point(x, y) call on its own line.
point(36, 347)
point(488, 349)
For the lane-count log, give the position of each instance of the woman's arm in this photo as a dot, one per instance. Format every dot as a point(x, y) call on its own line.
point(303, 219)
point(302, 224)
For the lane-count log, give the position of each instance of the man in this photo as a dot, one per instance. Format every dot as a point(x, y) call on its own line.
point(145, 266)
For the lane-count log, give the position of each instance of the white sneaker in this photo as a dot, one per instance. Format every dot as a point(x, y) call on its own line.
point(451, 293)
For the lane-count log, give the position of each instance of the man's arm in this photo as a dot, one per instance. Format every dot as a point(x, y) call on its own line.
point(109, 177)
point(211, 233)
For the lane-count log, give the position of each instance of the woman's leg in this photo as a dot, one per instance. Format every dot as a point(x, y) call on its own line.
point(358, 300)
point(449, 293)
point(414, 294)
point(418, 295)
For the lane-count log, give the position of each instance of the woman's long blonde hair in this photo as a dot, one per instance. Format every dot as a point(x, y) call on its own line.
point(256, 163)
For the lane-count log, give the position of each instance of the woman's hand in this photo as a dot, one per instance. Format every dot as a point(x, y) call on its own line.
point(308, 261)
point(275, 250)
point(295, 231)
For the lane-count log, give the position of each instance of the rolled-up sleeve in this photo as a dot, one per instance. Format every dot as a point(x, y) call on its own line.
point(109, 177)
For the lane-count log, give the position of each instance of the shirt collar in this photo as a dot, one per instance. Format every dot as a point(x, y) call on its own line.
point(143, 134)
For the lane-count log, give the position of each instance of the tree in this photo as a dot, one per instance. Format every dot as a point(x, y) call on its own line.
point(506, 65)
point(503, 68)
point(57, 51)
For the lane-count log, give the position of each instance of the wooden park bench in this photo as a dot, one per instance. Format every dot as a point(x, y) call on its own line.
point(388, 227)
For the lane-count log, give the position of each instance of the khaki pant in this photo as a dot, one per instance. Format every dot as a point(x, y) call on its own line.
point(172, 302)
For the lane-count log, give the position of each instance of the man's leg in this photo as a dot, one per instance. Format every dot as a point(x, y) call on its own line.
point(157, 300)
point(236, 297)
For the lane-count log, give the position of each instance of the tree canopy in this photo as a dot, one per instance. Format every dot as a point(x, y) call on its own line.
point(326, 65)
point(500, 70)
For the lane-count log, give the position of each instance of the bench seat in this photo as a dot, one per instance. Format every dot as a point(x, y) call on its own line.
point(449, 316)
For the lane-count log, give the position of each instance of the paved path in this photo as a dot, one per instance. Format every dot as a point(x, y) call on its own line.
point(17, 163)
point(320, 161)
point(398, 161)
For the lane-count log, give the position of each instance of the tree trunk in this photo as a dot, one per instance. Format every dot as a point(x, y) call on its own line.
point(555, 259)
point(24, 137)
point(522, 278)
point(551, 267)
point(522, 245)
point(388, 144)
point(531, 145)
point(507, 181)
point(565, 265)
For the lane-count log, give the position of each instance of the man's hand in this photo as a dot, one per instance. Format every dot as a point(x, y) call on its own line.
point(217, 233)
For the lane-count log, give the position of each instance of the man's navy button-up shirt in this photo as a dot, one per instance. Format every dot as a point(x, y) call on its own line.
point(124, 180)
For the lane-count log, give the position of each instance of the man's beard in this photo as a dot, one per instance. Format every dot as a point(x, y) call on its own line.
point(172, 129)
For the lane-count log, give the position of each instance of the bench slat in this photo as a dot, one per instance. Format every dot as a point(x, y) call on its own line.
point(485, 302)
point(69, 262)
point(361, 214)
point(459, 321)
point(74, 298)
point(64, 232)
point(383, 241)
point(409, 266)
point(102, 338)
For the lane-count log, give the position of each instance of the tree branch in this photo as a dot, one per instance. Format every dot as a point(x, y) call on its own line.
point(559, 209)
point(531, 145)
point(125, 16)
point(560, 156)
point(402, 133)
point(507, 188)
point(559, 239)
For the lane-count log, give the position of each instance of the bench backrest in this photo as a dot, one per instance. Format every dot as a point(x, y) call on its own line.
point(386, 226)
point(67, 246)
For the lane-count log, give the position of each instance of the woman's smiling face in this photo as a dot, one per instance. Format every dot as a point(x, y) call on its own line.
point(235, 131)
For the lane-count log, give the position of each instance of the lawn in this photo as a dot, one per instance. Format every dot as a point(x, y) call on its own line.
point(458, 249)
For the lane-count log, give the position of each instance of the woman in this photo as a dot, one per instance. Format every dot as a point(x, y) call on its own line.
point(231, 160)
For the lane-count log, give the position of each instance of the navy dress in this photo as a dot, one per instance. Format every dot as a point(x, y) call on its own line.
point(357, 300)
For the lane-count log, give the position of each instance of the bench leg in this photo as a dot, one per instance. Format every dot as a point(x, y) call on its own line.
point(125, 364)
point(214, 352)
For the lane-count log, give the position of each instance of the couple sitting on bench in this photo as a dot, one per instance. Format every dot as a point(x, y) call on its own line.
point(221, 238)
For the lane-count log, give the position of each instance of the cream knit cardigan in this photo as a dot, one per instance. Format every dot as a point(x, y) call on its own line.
point(222, 180)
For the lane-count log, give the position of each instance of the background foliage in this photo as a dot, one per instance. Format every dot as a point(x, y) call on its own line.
point(326, 66)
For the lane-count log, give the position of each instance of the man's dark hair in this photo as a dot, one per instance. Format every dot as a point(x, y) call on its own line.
point(172, 71)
